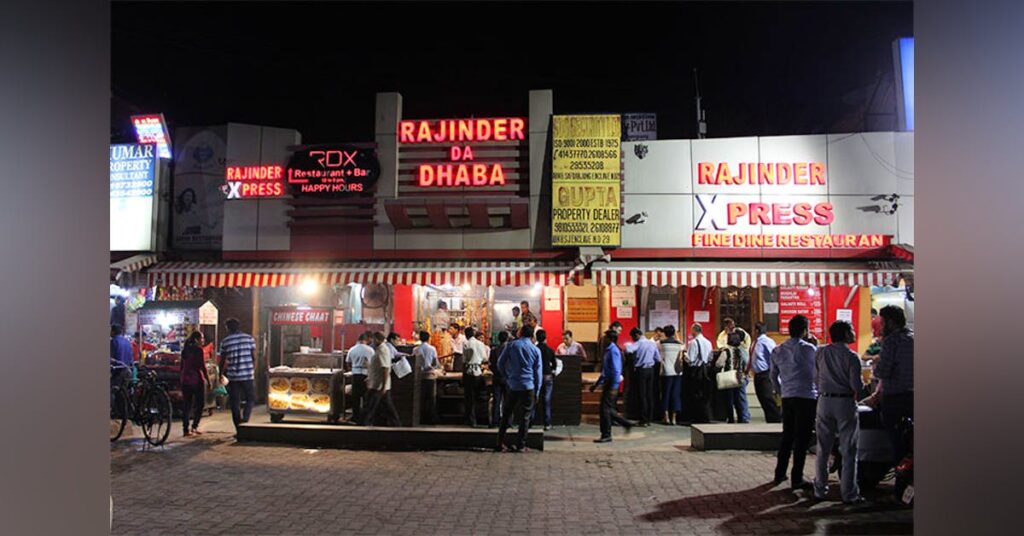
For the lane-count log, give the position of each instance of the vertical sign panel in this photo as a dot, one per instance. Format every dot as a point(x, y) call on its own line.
point(805, 301)
point(586, 173)
point(132, 188)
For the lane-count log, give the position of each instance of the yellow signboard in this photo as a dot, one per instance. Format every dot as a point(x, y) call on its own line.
point(586, 180)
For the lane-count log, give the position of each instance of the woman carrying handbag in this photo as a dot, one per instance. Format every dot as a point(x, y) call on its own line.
point(730, 400)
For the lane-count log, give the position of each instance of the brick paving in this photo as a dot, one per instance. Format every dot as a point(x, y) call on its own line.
point(637, 485)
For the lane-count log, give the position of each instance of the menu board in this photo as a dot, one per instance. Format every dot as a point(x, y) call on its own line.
point(805, 301)
point(582, 310)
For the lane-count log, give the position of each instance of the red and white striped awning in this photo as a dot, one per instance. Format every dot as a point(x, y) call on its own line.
point(742, 274)
point(234, 274)
point(134, 263)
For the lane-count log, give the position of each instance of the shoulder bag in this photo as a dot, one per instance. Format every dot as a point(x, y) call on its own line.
point(728, 378)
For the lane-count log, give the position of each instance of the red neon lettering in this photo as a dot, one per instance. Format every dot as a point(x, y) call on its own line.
point(765, 174)
point(800, 173)
point(426, 177)
point(759, 214)
point(817, 173)
point(824, 214)
point(479, 175)
point(405, 132)
point(483, 131)
point(465, 130)
point(444, 175)
point(802, 213)
point(462, 176)
point(735, 210)
point(516, 127)
point(455, 153)
point(704, 173)
point(500, 129)
point(723, 176)
point(424, 132)
point(780, 214)
point(783, 173)
point(497, 175)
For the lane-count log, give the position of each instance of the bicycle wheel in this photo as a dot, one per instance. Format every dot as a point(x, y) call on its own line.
point(118, 413)
point(156, 415)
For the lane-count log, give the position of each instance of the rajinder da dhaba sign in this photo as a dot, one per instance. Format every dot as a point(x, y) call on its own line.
point(468, 145)
point(786, 221)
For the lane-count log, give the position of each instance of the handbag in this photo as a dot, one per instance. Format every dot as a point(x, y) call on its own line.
point(727, 378)
point(558, 367)
point(402, 367)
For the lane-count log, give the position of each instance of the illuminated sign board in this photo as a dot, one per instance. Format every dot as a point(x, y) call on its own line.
point(586, 180)
point(133, 176)
point(719, 214)
point(151, 129)
point(254, 182)
point(461, 166)
point(301, 317)
point(332, 171)
point(903, 58)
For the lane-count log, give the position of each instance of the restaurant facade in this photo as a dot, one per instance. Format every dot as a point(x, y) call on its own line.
point(444, 220)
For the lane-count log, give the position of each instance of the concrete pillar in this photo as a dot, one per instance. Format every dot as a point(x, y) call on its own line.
point(388, 114)
point(541, 108)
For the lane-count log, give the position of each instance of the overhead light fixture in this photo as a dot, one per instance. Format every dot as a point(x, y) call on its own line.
point(310, 287)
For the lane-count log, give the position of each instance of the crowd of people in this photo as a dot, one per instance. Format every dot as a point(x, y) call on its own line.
point(804, 386)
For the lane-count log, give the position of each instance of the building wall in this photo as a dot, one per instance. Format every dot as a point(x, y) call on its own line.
point(661, 180)
point(257, 224)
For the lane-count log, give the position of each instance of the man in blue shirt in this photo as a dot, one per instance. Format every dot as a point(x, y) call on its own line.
point(611, 377)
point(895, 369)
point(358, 357)
point(238, 365)
point(793, 374)
point(121, 352)
point(521, 366)
point(645, 356)
point(427, 369)
point(760, 363)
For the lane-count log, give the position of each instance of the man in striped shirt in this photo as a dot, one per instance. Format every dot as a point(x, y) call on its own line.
point(237, 363)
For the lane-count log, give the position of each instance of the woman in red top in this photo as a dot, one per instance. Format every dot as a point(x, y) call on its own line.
point(194, 380)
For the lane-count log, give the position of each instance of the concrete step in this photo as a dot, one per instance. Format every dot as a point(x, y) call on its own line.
point(736, 436)
point(386, 438)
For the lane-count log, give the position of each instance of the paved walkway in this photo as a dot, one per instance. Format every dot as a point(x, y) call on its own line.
point(647, 482)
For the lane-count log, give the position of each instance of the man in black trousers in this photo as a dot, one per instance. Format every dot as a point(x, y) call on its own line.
point(793, 374)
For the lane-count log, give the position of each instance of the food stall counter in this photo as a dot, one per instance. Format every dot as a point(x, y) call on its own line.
point(305, 391)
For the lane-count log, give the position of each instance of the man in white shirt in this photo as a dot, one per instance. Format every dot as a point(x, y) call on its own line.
point(696, 379)
point(458, 344)
point(475, 354)
point(671, 378)
point(378, 380)
point(571, 347)
point(358, 357)
point(427, 368)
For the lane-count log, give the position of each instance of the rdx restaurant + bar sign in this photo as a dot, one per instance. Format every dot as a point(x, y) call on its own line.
point(332, 171)
point(462, 164)
point(718, 213)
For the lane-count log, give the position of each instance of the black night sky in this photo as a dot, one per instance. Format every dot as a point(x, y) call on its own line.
point(765, 68)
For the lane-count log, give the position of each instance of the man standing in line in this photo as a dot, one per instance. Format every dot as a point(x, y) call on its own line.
point(521, 366)
point(499, 386)
point(729, 326)
point(760, 362)
point(358, 357)
point(548, 372)
point(428, 367)
point(611, 377)
point(120, 351)
point(237, 352)
point(839, 383)
point(793, 376)
point(646, 357)
point(671, 378)
point(895, 369)
point(378, 380)
point(474, 356)
point(696, 380)
point(517, 321)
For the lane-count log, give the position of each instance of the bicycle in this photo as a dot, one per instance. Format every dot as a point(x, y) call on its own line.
point(144, 401)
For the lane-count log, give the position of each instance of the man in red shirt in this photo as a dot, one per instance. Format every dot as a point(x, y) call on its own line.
point(876, 324)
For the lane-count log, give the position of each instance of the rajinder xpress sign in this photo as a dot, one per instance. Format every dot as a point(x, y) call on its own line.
point(722, 213)
point(133, 173)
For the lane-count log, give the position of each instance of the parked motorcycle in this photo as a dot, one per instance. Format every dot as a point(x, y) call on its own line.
point(905, 469)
